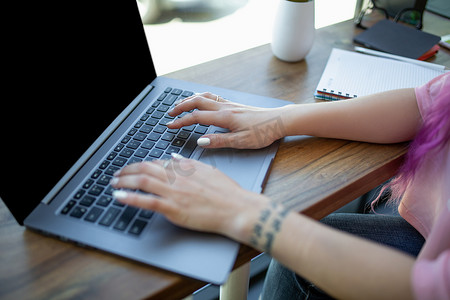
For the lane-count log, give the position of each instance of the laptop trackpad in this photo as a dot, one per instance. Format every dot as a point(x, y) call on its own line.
point(244, 166)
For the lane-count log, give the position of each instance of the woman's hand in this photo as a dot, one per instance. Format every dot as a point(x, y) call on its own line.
point(250, 127)
point(190, 194)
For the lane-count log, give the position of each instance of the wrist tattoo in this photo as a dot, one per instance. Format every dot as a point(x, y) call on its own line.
point(267, 227)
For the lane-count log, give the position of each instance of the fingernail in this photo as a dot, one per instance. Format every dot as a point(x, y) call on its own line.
point(114, 181)
point(119, 195)
point(203, 142)
point(170, 122)
point(176, 156)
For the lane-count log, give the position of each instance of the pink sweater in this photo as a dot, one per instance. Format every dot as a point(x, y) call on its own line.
point(426, 206)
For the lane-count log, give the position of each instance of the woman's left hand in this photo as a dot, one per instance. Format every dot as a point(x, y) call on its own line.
point(190, 194)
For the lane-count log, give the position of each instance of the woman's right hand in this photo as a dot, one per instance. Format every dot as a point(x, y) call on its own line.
point(249, 127)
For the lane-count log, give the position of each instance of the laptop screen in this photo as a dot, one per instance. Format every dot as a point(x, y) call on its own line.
point(75, 67)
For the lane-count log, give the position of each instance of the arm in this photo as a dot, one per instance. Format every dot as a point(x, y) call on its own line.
point(388, 117)
point(342, 265)
point(345, 266)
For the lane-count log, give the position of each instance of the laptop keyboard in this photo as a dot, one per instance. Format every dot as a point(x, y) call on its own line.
point(148, 139)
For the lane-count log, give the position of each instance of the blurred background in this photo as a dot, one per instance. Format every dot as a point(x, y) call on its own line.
point(184, 33)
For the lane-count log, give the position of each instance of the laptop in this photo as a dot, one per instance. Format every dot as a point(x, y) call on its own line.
point(87, 102)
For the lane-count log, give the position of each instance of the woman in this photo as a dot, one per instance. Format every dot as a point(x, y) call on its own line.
point(377, 258)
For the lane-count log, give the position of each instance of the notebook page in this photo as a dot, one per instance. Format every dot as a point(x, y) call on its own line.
point(351, 74)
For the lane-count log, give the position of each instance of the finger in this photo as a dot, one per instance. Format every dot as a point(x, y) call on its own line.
point(141, 182)
point(149, 202)
point(224, 140)
point(149, 168)
point(201, 117)
point(197, 102)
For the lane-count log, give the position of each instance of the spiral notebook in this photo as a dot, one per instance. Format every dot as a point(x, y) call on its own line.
point(350, 74)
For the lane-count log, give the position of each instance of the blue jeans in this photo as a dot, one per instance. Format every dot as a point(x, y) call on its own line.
point(393, 231)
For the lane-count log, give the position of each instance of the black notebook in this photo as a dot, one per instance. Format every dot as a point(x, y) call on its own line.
point(398, 39)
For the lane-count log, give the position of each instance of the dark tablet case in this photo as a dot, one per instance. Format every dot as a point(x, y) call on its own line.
point(398, 39)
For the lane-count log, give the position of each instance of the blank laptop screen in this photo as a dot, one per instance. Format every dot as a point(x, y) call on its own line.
point(74, 68)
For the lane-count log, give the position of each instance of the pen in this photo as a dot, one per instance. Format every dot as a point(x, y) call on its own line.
point(401, 58)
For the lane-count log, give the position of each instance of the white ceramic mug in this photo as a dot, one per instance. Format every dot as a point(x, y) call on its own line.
point(293, 32)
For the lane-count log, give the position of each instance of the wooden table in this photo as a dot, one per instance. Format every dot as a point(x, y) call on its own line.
point(312, 175)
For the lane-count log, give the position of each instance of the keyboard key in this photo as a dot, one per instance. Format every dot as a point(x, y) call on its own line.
point(170, 100)
point(190, 145)
point(156, 153)
point(151, 122)
point(162, 96)
point(178, 142)
point(173, 130)
point(119, 204)
point(96, 190)
point(126, 153)
point(104, 164)
point(93, 214)
point(104, 200)
point(109, 190)
point(104, 180)
point(183, 134)
point(109, 217)
point(168, 137)
point(112, 155)
point(153, 136)
point(78, 212)
point(120, 161)
point(132, 131)
point(172, 149)
point(146, 129)
point(163, 107)
point(137, 227)
point(147, 214)
point(162, 145)
point(119, 147)
point(68, 207)
point(148, 145)
point(87, 200)
point(141, 153)
point(79, 194)
point(190, 127)
point(157, 115)
point(139, 136)
point(125, 139)
point(138, 124)
point(146, 116)
point(187, 94)
point(125, 218)
point(201, 129)
point(134, 159)
point(111, 170)
point(156, 104)
point(160, 129)
point(176, 92)
point(165, 120)
point(88, 183)
point(133, 144)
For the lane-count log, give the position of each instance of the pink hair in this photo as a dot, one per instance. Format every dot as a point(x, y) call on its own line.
point(433, 135)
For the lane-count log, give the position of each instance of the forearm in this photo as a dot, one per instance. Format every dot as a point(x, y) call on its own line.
point(388, 117)
point(342, 265)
